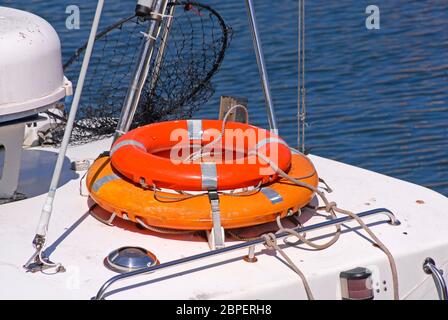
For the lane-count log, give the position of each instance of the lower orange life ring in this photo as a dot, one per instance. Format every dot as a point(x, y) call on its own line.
point(146, 155)
point(115, 193)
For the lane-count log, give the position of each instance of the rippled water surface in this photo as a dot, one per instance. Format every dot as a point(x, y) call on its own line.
point(377, 99)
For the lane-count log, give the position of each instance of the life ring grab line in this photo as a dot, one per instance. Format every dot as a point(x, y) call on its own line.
point(268, 141)
point(226, 179)
point(208, 169)
point(270, 195)
point(269, 192)
point(194, 136)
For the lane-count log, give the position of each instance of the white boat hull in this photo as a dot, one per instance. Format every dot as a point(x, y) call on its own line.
point(81, 243)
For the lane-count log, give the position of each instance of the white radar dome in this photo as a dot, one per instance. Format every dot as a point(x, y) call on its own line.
point(31, 74)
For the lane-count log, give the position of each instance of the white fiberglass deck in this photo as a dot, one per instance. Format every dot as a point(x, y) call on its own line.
point(81, 243)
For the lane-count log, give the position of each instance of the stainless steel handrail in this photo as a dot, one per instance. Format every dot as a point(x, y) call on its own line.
point(429, 266)
point(333, 222)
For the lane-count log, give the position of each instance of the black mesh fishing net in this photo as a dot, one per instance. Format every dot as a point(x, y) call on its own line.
point(179, 80)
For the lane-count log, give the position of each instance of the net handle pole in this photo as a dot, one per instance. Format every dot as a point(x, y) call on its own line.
point(142, 68)
point(261, 66)
point(161, 52)
point(47, 209)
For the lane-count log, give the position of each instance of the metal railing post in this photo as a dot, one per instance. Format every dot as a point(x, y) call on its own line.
point(261, 66)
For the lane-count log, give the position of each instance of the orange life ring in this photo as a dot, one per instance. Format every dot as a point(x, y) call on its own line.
point(114, 193)
point(145, 155)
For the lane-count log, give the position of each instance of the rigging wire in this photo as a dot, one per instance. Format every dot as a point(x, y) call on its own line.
point(301, 92)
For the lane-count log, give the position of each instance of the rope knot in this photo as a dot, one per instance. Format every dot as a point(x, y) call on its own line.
point(270, 240)
point(330, 206)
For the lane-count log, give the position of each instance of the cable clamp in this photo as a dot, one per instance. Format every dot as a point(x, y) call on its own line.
point(148, 36)
point(161, 15)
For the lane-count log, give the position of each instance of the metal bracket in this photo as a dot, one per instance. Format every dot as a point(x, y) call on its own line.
point(216, 237)
point(41, 263)
point(38, 261)
point(108, 222)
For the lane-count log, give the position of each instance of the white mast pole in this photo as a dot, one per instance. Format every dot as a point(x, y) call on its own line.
point(41, 232)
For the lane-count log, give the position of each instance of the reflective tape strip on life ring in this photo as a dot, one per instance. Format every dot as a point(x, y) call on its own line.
point(126, 143)
point(145, 155)
point(209, 176)
point(194, 129)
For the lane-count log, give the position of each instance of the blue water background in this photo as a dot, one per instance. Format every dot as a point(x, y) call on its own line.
point(377, 99)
